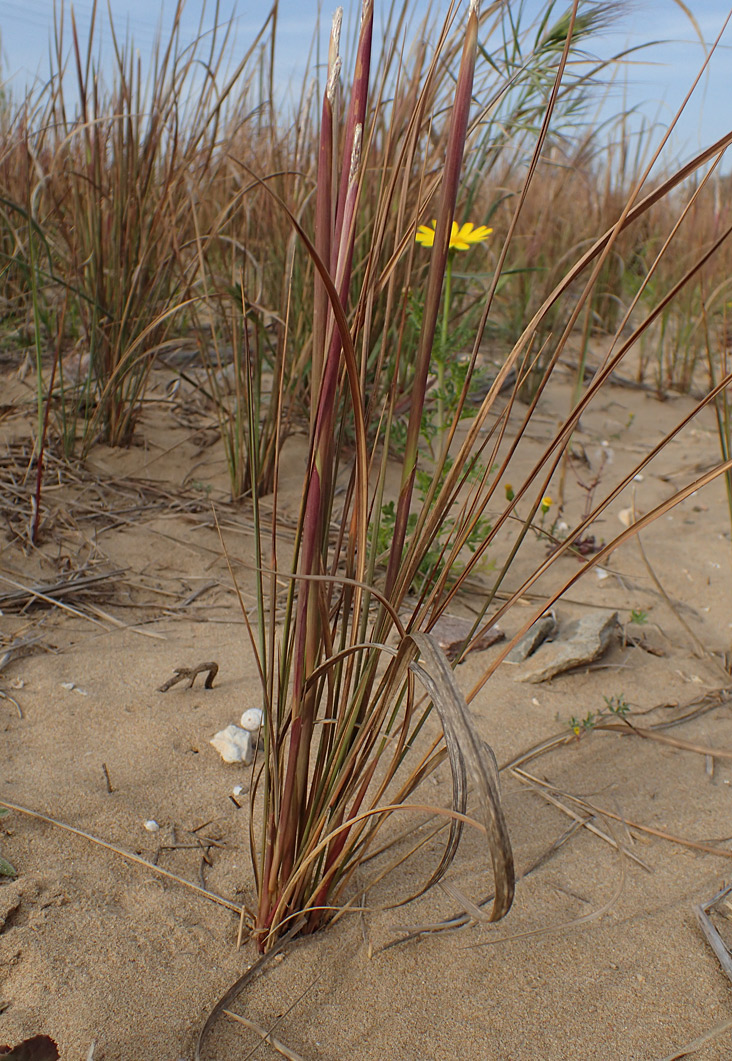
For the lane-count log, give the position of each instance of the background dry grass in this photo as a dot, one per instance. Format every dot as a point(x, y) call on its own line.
point(133, 215)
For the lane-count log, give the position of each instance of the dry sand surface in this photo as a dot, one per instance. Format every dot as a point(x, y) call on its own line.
point(601, 956)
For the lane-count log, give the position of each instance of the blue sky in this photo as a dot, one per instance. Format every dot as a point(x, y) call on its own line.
point(654, 82)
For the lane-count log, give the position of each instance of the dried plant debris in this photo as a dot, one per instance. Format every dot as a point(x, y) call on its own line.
point(39, 1048)
point(20, 647)
point(88, 495)
point(182, 673)
point(74, 588)
point(721, 905)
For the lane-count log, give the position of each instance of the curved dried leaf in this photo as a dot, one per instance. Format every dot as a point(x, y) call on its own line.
point(468, 754)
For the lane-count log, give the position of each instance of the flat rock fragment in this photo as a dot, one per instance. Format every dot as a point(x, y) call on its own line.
point(535, 636)
point(581, 642)
point(451, 632)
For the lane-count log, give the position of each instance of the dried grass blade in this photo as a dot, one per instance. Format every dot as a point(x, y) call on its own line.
point(460, 920)
point(713, 937)
point(585, 919)
point(673, 742)
point(696, 1044)
point(661, 834)
point(124, 854)
point(36, 594)
point(238, 986)
point(265, 1035)
point(588, 823)
point(472, 910)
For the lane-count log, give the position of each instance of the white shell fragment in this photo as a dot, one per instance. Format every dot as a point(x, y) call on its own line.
point(72, 687)
point(151, 825)
point(234, 745)
point(252, 719)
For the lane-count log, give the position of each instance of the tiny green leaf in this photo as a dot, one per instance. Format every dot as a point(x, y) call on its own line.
point(6, 870)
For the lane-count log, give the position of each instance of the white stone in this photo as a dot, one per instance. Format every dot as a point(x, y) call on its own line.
point(234, 745)
point(151, 825)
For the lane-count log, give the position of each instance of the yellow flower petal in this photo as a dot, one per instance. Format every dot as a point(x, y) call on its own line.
point(461, 237)
point(425, 236)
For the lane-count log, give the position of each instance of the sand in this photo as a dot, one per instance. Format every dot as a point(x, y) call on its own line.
point(600, 958)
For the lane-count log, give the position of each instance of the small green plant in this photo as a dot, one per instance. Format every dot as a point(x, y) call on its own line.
point(6, 870)
point(617, 705)
point(445, 531)
point(639, 616)
point(583, 725)
point(614, 705)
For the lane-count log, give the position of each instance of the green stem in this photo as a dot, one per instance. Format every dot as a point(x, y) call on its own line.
point(442, 354)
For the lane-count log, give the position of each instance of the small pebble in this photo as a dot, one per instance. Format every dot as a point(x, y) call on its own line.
point(151, 825)
point(238, 789)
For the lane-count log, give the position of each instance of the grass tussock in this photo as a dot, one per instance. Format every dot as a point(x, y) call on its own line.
point(184, 204)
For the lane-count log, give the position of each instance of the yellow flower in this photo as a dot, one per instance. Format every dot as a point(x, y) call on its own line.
point(461, 238)
point(546, 504)
point(509, 492)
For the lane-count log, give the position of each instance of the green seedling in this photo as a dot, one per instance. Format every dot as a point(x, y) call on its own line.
point(614, 705)
point(6, 869)
point(583, 725)
point(617, 705)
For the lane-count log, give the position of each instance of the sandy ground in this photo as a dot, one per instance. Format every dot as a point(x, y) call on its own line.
point(600, 958)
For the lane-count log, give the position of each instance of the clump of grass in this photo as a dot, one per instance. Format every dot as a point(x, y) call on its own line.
point(98, 201)
point(344, 718)
point(338, 725)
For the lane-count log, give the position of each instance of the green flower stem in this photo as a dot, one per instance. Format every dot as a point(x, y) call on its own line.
point(443, 347)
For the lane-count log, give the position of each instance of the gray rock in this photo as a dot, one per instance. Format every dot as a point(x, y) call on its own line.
point(581, 642)
point(534, 636)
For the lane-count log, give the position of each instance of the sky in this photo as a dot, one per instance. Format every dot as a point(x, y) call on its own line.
point(653, 82)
